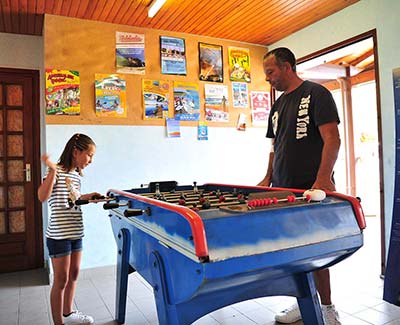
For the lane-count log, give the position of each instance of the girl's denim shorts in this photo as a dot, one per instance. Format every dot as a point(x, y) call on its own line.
point(63, 247)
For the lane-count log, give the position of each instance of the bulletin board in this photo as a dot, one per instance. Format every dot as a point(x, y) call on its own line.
point(89, 47)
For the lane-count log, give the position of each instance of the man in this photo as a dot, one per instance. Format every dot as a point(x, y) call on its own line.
point(303, 126)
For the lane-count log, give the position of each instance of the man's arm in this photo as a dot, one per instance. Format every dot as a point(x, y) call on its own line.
point(330, 135)
point(266, 181)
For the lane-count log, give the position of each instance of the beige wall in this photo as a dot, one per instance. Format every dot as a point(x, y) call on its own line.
point(89, 47)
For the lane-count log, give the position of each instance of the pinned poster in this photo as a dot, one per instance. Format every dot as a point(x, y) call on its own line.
point(202, 131)
point(260, 107)
point(129, 53)
point(110, 95)
point(216, 103)
point(173, 128)
point(155, 99)
point(62, 92)
point(173, 55)
point(240, 94)
point(239, 64)
point(186, 101)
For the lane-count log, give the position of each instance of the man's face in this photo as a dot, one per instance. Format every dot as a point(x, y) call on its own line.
point(275, 74)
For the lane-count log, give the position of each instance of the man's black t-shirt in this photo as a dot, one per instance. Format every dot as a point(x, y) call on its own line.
point(293, 123)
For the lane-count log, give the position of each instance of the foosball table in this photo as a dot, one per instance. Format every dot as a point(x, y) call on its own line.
point(205, 247)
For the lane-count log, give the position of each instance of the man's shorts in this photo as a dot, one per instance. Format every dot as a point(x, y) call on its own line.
point(63, 247)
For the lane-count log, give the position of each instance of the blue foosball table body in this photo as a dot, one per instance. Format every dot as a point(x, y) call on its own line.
point(201, 259)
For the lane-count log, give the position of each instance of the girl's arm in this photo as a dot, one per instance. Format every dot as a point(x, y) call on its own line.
point(45, 189)
point(90, 196)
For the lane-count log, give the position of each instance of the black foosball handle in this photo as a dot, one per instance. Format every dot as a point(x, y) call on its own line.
point(109, 206)
point(133, 212)
point(81, 202)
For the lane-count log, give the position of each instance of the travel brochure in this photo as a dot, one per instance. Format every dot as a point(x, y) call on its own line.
point(155, 99)
point(110, 95)
point(216, 103)
point(186, 101)
point(62, 92)
point(172, 54)
point(129, 53)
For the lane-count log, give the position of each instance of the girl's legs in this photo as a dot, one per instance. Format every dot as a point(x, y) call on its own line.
point(61, 267)
point(70, 288)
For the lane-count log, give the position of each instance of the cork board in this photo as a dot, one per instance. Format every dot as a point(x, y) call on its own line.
point(89, 47)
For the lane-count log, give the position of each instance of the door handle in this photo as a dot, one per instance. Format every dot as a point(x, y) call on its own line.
point(27, 171)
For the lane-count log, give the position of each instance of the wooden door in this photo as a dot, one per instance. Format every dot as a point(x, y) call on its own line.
point(21, 234)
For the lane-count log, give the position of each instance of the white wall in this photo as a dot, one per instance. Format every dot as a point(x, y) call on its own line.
point(354, 20)
point(127, 156)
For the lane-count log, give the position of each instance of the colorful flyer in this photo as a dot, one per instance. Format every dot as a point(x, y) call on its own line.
point(210, 63)
point(260, 107)
point(110, 95)
point(239, 64)
point(240, 94)
point(62, 92)
point(173, 128)
point(216, 103)
point(172, 54)
point(129, 53)
point(155, 99)
point(186, 101)
point(202, 131)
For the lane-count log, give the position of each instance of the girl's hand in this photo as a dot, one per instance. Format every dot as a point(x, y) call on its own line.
point(91, 196)
point(45, 159)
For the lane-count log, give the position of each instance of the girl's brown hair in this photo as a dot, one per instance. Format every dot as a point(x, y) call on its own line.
point(78, 141)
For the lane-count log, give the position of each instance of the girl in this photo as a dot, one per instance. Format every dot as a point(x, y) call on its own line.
point(61, 187)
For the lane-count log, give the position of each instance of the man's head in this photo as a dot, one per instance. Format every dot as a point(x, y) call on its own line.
point(280, 68)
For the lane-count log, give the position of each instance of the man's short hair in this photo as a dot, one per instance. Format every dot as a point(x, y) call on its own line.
point(282, 55)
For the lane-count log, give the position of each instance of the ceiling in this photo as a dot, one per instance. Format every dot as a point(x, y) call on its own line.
point(254, 21)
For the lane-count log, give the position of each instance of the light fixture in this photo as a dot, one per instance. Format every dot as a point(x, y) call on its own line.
point(155, 6)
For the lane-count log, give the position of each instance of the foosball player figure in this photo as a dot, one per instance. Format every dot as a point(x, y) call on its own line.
point(202, 199)
point(241, 198)
point(218, 193)
point(221, 199)
point(195, 208)
point(157, 194)
point(206, 205)
point(182, 200)
point(195, 189)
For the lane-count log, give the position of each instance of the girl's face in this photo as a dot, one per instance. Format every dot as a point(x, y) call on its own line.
point(85, 157)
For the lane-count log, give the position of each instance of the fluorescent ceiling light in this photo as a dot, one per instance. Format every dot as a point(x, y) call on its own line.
point(155, 6)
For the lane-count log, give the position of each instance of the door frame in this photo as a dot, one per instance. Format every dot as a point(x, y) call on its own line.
point(38, 250)
point(350, 41)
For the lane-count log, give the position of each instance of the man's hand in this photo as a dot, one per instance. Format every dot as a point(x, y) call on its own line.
point(266, 181)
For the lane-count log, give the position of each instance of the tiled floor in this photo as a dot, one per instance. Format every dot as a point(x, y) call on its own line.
point(356, 291)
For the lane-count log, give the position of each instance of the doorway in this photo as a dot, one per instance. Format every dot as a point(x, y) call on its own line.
point(21, 234)
point(350, 70)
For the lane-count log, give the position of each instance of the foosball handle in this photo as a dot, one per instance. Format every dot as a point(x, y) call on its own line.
point(109, 206)
point(81, 202)
point(133, 212)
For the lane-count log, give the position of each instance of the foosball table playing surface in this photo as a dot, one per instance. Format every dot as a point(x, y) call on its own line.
point(204, 247)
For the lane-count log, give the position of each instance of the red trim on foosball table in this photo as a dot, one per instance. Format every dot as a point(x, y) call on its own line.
point(353, 201)
point(195, 222)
